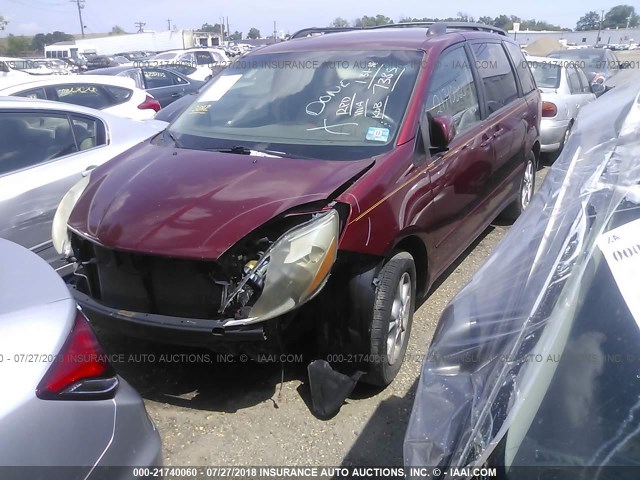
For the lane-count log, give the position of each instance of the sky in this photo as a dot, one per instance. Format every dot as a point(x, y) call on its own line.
point(27, 17)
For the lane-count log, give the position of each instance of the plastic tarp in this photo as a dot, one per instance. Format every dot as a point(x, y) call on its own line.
point(535, 361)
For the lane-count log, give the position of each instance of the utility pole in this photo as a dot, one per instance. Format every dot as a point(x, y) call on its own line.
point(222, 30)
point(168, 24)
point(80, 4)
point(628, 20)
point(228, 31)
point(600, 27)
point(274, 32)
point(140, 26)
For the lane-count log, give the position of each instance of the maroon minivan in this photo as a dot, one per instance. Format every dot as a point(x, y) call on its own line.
point(319, 185)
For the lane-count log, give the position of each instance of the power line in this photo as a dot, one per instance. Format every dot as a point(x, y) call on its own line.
point(140, 26)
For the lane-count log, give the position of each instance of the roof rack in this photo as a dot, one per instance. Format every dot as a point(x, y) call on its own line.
point(435, 28)
point(305, 32)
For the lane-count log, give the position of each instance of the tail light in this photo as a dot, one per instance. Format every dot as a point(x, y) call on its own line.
point(81, 371)
point(549, 109)
point(150, 103)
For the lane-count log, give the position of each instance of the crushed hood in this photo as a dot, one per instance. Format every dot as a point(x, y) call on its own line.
point(197, 204)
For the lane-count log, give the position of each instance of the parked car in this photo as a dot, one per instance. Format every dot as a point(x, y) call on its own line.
point(63, 390)
point(163, 84)
point(45, 148)
point(599, 64)
point(118, 96)
point(20, 67)
point(173, 58)
point(565, 89)
point(534, 364)
point(327, 198)
point(174, 110)
point(105, 61)
point(56, 66)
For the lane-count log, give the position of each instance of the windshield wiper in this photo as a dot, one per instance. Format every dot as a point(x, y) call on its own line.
point(174, 138)
point(242, 150)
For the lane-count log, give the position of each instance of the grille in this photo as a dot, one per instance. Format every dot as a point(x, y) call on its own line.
point(151, 284)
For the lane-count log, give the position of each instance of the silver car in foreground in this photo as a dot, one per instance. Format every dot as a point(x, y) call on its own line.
point(565, 89)
point(45, 149)
point(63, 408)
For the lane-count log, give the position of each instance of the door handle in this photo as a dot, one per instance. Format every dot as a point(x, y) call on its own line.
point(498, 132)
point(486, 140)
point(176, 95)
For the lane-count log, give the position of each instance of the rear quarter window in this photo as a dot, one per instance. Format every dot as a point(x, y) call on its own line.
point(527, 82)
point(119, 94)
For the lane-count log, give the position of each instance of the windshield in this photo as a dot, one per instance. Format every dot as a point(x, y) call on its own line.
point(319, 104)
point(547, 75)
point(583, 59)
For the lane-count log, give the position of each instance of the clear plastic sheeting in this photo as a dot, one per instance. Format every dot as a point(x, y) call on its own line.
point(536, 362)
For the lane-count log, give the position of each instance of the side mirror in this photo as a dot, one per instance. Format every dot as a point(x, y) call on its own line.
point(598, 88)
point(442, 132)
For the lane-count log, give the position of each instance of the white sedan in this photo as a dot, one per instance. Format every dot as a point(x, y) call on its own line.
point(45, 148)
point(116, 95)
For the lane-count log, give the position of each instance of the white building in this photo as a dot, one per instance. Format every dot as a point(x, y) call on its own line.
point(147, 41)
point(607, 36)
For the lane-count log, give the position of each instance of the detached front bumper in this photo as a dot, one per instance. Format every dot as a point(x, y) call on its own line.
point(167, 329)
point(551, 134)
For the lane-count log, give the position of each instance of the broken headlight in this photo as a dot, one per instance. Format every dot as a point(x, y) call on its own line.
point(290, 272)
point(59, 233)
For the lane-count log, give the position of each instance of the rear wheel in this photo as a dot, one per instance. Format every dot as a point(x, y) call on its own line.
point(525, 193)
point(392, 318)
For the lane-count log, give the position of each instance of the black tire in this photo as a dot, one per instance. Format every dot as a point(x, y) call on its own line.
point(528, 181)
point(383, 366)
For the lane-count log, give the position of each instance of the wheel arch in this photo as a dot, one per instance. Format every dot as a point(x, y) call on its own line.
point(413, 245)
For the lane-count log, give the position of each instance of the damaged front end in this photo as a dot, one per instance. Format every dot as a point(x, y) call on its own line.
point(268, 274)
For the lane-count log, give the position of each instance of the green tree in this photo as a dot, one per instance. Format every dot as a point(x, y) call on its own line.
point(17, 45)
point(465, 17)
point(215, 28)
point(367, 21)
point(3, 23)
point(117, 30)
point(339, 22)
point(40, 40)
point(589, 21)
point(253, 33)
point(621, 16)
point(235, 36)
point(486, 20)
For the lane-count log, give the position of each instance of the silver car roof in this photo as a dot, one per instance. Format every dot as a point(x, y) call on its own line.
point(26, 280)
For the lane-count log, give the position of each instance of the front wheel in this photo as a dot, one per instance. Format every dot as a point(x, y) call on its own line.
point(525, 193)
point(392, 316)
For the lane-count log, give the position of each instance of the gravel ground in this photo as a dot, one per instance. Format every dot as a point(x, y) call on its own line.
point(240, 413)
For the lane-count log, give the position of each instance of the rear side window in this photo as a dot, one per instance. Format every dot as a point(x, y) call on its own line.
point(157, 78)
point(86, 95)
point(586, 88)
point(574, 80)
point(203, 58)
point(30, 138)
point(119, 94)
point(522, 68)
point(32, 93)
point(452, 90)
point(88, 132)
point(497, 76)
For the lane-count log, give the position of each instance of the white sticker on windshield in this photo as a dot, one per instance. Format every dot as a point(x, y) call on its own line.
point(221, 86)
point(621, 249)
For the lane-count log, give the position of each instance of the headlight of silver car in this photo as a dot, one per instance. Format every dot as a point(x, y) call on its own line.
point(59, 233)
point(294, 268)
